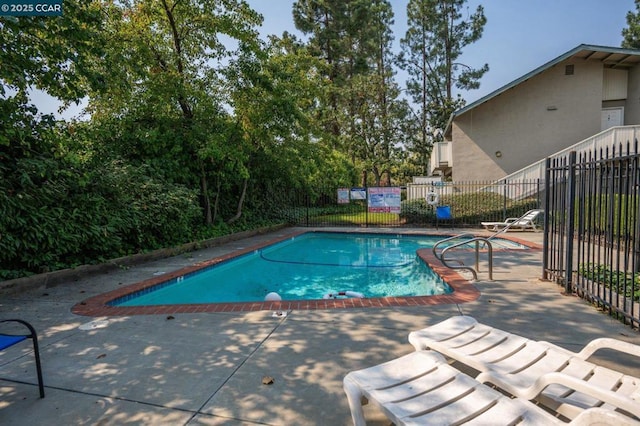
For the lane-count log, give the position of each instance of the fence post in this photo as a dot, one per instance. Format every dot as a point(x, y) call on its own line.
point(307, 198)
point(636, 197)
point(545, 238)
point(504, 200)
point(366, 207)
point(571, 210)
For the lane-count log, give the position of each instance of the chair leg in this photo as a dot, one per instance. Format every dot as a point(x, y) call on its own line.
point(354, 397)
point(36, 353)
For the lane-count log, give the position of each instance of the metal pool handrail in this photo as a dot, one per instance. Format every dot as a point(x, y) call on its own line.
point(465, 242)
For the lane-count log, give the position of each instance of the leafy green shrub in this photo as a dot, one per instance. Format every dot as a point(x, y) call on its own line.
point(55, 215)
point(162, 214)
point(621, 282)
point(416, 211)
point(606, 213)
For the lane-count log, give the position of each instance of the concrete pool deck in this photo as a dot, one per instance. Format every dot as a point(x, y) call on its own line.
point(208, 368)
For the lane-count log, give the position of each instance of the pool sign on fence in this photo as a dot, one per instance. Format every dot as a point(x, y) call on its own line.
point(30, 7)
point(358, 193)
point(384, 200)
point(343, 195)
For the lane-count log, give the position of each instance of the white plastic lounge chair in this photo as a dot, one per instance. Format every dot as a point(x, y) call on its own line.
point(524, 222)
point(422, 389)
point(518, 365)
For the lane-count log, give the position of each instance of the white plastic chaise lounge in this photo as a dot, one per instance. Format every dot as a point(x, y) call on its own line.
point(524, 222)
point(520, 366)
point(422, 389)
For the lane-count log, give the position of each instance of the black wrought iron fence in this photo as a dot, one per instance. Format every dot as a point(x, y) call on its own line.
point(592, 237)
point(470, 204)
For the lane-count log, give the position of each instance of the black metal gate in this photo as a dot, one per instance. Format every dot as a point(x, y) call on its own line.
point(592, 227)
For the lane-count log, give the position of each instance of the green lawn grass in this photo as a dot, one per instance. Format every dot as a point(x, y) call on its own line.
point(361, 218)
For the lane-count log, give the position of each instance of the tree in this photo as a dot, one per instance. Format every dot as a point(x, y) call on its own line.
point(437, 33)
point(376, 114)
point(340, 34)
point(377, 131)
point(37, 177)
point(60, 204)
point(167, 100)
point(273, 97)
point(631, 34)
point(324, 22)
point(51, 54)
point(359, 107)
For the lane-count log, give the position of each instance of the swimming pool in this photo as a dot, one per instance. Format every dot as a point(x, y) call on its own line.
point(314, 265)
point(102, 305)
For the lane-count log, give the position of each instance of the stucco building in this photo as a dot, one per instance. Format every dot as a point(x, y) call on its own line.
point(571, 98)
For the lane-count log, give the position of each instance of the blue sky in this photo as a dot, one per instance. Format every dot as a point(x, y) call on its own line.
point(520, 35)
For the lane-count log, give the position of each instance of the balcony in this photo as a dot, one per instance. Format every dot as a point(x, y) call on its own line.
point(441, 161)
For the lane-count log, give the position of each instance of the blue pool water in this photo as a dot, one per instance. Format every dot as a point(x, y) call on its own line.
point(306, 267)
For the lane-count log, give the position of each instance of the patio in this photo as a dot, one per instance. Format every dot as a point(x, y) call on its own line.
point(208, 368)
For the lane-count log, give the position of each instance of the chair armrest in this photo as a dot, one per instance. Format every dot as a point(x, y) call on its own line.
point(32, 331)
point(531, 392)
point(602, 416)
point(608, 343)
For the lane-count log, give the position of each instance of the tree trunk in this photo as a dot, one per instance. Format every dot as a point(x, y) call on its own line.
point(216, 202)
point(240, 202)
point(377, 176)
point(204, 194)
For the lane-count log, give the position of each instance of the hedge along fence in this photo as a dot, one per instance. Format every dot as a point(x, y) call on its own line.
point(608, 213)
point(467, 209)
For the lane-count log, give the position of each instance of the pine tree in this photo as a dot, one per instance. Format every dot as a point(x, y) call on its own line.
point(437, 33)
point(631, 34)
point(359, 109)
point(340, 34)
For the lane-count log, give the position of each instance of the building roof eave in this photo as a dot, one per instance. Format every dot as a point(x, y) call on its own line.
point(614, 57)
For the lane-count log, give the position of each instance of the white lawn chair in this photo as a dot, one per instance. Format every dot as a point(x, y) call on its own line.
point(519, 365)
point(422, 389)
point(524, 222)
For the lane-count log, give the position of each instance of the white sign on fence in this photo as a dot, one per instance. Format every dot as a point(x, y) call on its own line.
point(358, 193)
point(384, 200)
point(343, 195)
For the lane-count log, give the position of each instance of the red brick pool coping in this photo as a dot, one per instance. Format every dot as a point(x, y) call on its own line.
point(97, 306)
